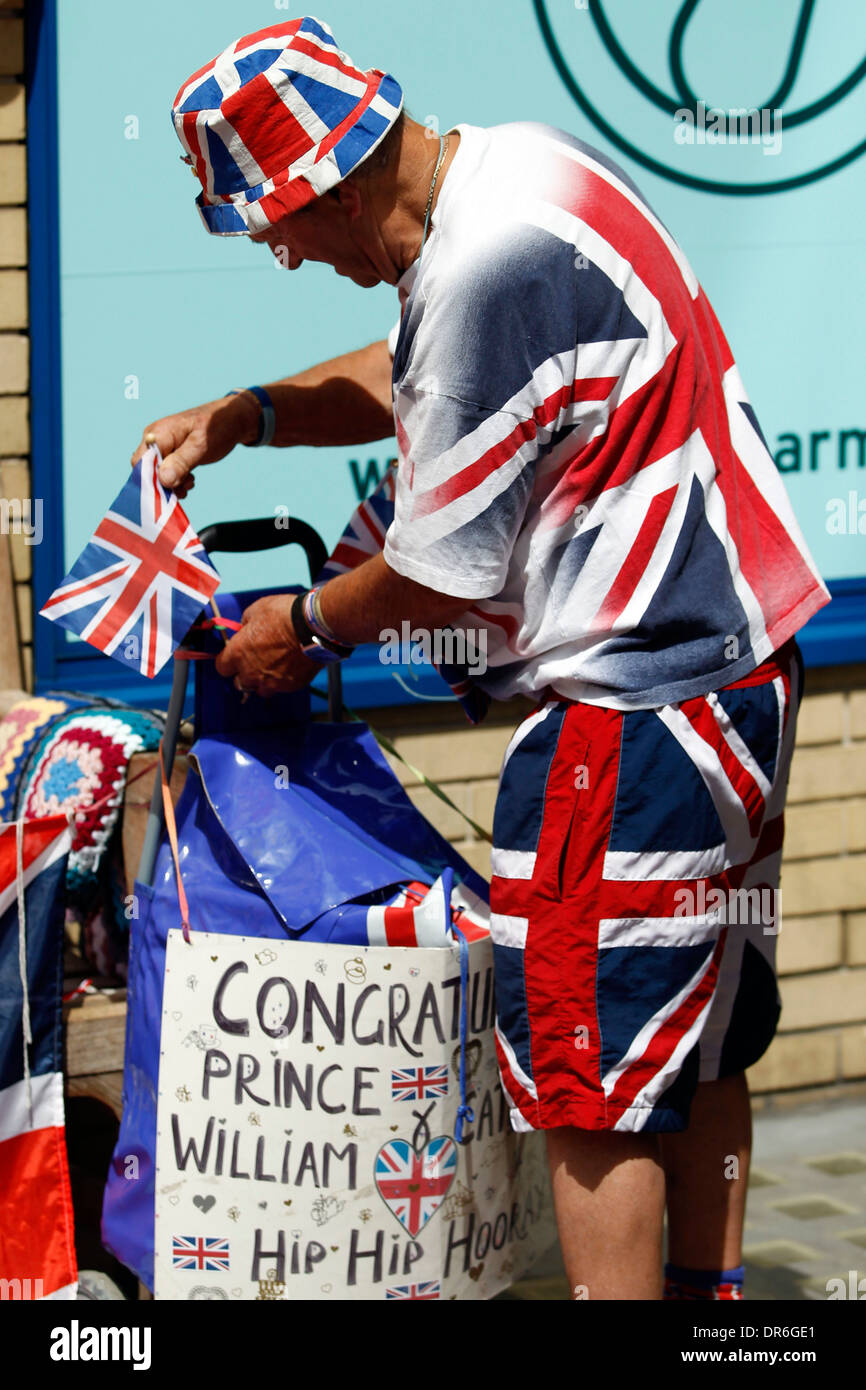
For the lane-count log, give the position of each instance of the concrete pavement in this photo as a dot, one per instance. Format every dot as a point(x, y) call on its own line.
point(806, 1213)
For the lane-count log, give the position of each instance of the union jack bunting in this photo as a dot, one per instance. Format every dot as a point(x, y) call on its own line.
point(419, 1083)
point(141, 580)
point(364, 535)
point(199, 1252)
point(276, 120)
point(422, 916)
point(431, 1289)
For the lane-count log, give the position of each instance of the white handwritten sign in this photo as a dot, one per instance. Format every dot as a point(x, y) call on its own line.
point(307, 1104)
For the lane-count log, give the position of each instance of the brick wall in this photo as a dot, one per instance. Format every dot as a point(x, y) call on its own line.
point(822, 944)
point(14, 342)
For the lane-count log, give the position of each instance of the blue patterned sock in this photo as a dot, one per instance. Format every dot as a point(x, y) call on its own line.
point(700, 1284)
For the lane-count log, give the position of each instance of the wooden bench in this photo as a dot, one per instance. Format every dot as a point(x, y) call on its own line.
point(95, 1029)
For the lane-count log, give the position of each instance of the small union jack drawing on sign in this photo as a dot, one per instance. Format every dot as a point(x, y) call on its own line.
point(141, 580)
point(413, 1186)
point(419, 1083)
point(431, 1289)
point(200, 1252)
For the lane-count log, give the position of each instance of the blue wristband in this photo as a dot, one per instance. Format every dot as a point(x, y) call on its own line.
point(267, 417)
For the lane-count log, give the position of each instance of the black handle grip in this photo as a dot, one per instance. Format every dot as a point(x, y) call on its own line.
point(238, 537)
point(263, 533)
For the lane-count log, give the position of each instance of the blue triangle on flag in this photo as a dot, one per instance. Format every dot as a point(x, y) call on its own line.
point(329, 103)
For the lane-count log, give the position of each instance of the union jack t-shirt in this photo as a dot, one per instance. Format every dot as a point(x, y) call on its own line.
point(577, 454)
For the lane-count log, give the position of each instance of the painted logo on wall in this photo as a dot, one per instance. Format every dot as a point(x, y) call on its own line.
point(734, 99)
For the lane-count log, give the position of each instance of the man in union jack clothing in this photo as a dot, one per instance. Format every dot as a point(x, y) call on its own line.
point(582, 484)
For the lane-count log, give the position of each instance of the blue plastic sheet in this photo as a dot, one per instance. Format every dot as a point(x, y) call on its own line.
point(277, 833)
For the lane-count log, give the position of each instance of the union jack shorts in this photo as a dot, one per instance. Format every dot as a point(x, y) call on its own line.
point(634, 900)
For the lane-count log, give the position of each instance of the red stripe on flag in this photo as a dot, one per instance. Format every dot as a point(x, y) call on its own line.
point(265, 124)
point(369, 520)
point(520, 1097)
point(561, 903)
point(155, 557)
point(38, 836)
point(661, 1045)
point(287, 197)
point(285, 32)
point(400, 926)
point(621, 899)
point(196, 144)
point(157, 491)
point(507, 621)
point(276, 31)
point(36, 1224)
point(766, 551)
point(636, 561)
point(685, 395)
point(473, 931)
point(331, 58)
point(349, 555)
point(70, 591)
point(151, 646)
point(475, 473)
point(705, 724)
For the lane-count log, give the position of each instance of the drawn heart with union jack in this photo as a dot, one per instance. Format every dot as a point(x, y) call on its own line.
point(414, 1185)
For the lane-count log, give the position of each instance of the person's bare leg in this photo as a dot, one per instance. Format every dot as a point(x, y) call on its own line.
point(609, 1194)
point(707, 1171)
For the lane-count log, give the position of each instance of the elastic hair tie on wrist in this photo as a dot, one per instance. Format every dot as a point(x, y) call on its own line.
point(312, 610)
point(316, 605)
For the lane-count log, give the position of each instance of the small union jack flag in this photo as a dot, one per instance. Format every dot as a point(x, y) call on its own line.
point(365, 533)
point(419, 1083)
point(431, 1289)
point(141, 580)
point(199, 1252)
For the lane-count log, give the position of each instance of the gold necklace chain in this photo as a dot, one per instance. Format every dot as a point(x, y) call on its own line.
point(443, 150)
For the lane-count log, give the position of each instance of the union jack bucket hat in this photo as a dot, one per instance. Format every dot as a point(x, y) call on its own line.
point(276, 120)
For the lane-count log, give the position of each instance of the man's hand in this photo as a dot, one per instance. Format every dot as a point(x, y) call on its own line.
point(264, 657)
point(201, 435)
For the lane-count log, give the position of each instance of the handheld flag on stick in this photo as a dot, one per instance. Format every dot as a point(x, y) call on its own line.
point(141, 580)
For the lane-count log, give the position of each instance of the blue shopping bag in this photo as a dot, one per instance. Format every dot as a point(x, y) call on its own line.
point(301, 832)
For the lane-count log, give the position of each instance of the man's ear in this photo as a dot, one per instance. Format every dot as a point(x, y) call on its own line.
point(350, 196)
